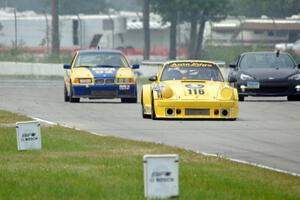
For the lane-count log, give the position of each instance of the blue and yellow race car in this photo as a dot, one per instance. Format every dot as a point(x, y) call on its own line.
point(100, 74)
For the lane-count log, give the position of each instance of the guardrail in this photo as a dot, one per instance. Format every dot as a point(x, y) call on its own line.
point(33, 69)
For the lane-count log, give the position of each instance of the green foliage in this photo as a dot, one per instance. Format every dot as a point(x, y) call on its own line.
point(271, 8)
point(228, 54)
point(210, 9)
point(19, 55)
point(80, 6)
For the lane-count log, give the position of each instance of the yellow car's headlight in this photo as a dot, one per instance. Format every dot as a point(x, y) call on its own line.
point(226, 93)
point(125, 80)
point(83, 80)
point(167, 92)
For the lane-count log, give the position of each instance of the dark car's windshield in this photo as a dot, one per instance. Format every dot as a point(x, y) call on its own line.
point(101, 60)
point(266, 61)
point(191, 71)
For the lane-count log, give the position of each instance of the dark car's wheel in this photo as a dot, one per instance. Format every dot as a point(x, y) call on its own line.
point(66, 96)
point(73, 99)
point(153, 115)
point(241, 98)
point(294, 98)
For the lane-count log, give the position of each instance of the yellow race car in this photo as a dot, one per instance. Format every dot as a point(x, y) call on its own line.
point(100, 74)
point(189, 89)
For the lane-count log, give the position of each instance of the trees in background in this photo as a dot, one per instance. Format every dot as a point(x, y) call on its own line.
point(55, 29)
point(270, 8)
point(81, 6)
point(195, 12)
point(146, 13)
point(168, 9)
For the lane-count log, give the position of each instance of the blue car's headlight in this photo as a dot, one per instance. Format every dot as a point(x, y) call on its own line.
point(295, 77)
point(246, 77)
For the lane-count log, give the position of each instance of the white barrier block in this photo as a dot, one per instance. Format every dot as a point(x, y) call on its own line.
point(28, 135)
point(161, 176)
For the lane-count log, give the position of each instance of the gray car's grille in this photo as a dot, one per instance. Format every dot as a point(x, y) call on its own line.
point(189, 111)
point(102, 81)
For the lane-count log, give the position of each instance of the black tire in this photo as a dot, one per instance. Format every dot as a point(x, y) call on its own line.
point(66, 96)
point(72, 99)
point(130, 100)
point(241, 98)
point(153, 115)
point(293, 98)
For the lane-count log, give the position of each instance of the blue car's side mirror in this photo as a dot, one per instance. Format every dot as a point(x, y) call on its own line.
point(135, 66)
point(67, 66)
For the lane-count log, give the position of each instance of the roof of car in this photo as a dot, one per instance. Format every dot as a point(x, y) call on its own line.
point(264, 52)
point(99, 51)
point(177, 61)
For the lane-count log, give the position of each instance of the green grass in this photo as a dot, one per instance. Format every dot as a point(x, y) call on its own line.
point(78, 165)
point(9, 118)
point(23, 56)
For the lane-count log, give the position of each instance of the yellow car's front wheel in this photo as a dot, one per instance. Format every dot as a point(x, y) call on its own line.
point(153, 115)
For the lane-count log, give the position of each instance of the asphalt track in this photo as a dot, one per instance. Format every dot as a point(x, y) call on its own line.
point(267, 131)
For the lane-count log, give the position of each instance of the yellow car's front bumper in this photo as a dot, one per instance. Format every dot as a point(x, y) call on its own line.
point(196, 109)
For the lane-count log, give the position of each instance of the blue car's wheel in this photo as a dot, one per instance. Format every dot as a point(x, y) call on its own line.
point(73, 99)
point(66, 96)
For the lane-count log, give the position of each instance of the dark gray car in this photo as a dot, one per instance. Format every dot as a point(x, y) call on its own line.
point(266, 74)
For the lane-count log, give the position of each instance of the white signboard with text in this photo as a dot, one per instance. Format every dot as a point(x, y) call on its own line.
point(161, 176)
point(28, 135)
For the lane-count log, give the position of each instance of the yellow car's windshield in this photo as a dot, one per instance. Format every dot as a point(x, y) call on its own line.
point(190, 72)
point(101, 60)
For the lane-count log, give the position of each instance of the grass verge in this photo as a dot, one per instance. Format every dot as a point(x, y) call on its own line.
point(78, 165)
point(10, 118)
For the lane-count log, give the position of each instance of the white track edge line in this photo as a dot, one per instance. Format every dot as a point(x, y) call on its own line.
point(64, 125)
point(250, 163)
point(204, 153)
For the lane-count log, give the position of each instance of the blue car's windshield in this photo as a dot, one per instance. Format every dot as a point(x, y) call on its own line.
point(266, 60)
point(101, 60)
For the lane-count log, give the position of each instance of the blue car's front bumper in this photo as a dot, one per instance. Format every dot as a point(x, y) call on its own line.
point(104, 91)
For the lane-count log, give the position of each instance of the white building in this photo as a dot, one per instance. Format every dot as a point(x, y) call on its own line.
point(264, 31)
point(116, 30)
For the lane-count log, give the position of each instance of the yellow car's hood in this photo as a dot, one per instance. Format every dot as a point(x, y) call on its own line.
point(195, 90)
point(82, 72)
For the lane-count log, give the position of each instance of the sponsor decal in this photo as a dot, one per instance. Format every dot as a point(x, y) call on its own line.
point(191, 64)
point(31, 136)
point(161, 176)
point(103, 70)
point(194, 86)
point(124, 87)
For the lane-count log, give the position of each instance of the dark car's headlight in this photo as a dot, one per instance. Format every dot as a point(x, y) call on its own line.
point(295, 77)
point(246, 77)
